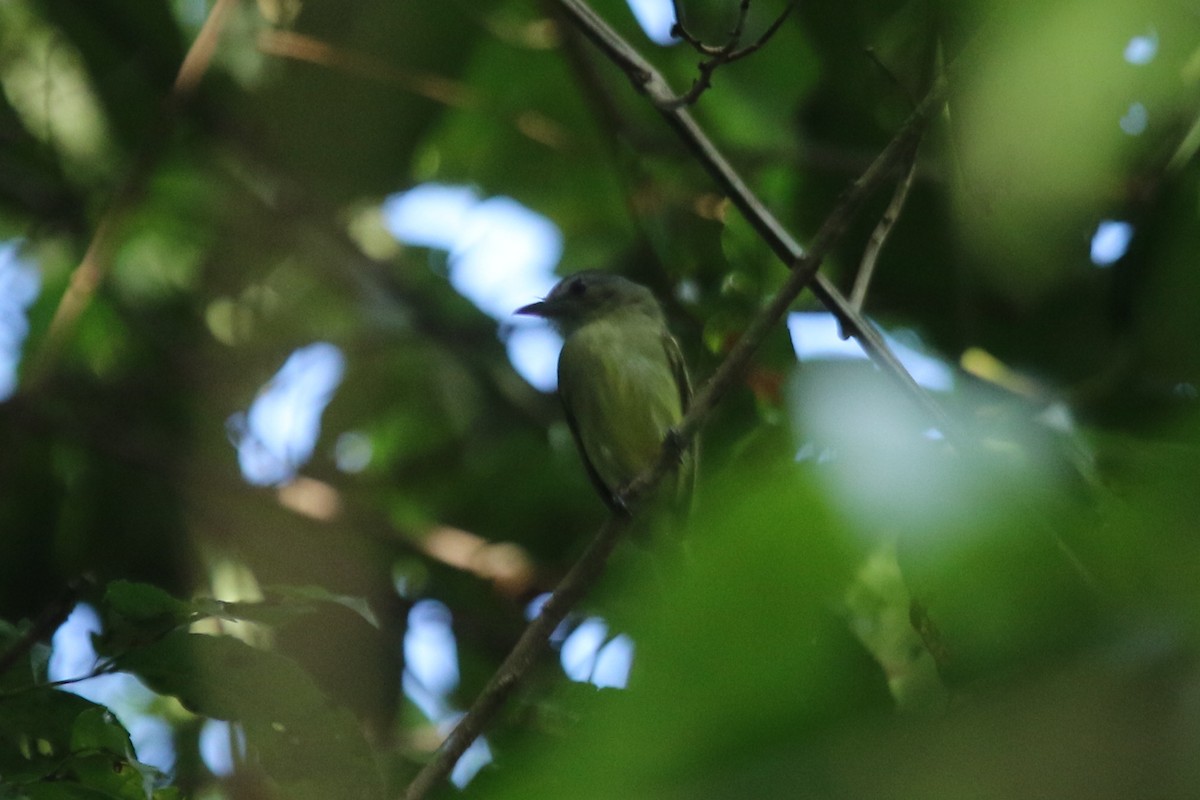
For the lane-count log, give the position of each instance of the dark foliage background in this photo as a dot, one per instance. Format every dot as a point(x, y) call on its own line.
point(878, 616)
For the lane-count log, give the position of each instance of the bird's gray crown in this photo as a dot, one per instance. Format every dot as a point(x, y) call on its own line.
point(590, 293)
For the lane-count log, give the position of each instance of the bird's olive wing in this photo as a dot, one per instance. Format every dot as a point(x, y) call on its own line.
point(606, 493)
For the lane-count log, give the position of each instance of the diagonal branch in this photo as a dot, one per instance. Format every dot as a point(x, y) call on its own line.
point(522, 657)
point(804, 271)
point(93, 267)
point(647, 80)
point(879, 236)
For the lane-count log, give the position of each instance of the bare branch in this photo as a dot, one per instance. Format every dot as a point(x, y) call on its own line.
point(724, 54)
point(766, 36)
point(680, 30)
point(879, 236)
point(735, 35)
point(521, 659)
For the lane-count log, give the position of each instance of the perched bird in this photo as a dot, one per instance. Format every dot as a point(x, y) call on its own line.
point(621, 378)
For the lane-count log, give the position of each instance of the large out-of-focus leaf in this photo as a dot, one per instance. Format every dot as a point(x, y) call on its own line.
point(143, 604)
point(132, 52)
point(1112, 726)
point(51, 740)
point(311, 747)
point(742, 650)
point(1047, 144)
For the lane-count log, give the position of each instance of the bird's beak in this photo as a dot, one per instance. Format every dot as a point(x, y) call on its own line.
point(538, 309)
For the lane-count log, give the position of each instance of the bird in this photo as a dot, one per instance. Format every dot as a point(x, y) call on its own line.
point(622, 379)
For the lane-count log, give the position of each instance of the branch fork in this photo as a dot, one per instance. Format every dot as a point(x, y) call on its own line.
point(716, 56)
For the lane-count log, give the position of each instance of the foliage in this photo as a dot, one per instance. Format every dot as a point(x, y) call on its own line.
point(862, 607)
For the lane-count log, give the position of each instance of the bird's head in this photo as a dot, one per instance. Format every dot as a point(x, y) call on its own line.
point(590, 295)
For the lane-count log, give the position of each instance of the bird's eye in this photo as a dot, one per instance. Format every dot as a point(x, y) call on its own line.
point(577, 288)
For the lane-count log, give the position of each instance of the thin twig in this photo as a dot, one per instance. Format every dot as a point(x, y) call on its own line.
point(681, 30)
point(767, 34)
point(97, 259)
point(524, 654)
point(450, 93)
point(311, 50)
point(105, 668)
point(716, 56)
point(804, 271)
point(735, 35)
point(879, 236)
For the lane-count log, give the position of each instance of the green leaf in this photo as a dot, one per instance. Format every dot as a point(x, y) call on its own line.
point(97, 729)
point(302, 741)
point(287, 603)
point(104, 774)
point(137, 612)
point(141, 602)
point(24, 670)
point(79, 746)
point(738, 654)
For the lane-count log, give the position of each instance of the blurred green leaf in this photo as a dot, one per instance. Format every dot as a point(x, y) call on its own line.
point(311, 747)
point(51, 740)
point(741, 651)
point(141, 603)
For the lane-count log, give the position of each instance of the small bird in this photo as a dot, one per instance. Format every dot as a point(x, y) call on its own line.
point(621, 378)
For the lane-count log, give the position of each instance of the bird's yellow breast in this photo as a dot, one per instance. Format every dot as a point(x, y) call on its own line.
point(619, 385)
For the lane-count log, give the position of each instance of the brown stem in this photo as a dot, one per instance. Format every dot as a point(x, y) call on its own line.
point(521, 659)
point(90, 273)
